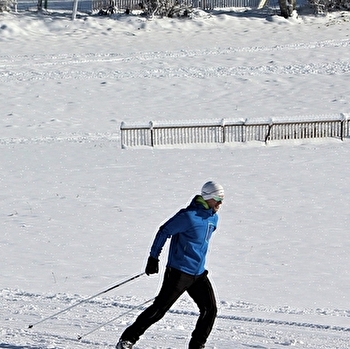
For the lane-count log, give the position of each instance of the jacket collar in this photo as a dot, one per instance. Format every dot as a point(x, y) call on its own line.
point(200, 201)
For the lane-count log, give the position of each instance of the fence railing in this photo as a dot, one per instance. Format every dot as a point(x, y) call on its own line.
point(225, 131)
point(95, 5)
point(203, 4)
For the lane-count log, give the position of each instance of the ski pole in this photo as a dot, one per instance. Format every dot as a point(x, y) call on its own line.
point(117, 317)
point(89, 298)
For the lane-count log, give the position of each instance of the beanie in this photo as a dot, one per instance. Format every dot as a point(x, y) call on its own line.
point(212, 190)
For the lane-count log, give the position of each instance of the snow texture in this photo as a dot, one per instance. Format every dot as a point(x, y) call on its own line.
point(79, 213)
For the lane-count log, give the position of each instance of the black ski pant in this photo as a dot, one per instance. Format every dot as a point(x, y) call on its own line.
point(175, 283)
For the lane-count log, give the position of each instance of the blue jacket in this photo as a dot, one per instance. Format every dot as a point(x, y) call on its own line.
point(190, 231)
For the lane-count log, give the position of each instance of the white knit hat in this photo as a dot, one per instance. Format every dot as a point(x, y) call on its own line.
point(211, 190)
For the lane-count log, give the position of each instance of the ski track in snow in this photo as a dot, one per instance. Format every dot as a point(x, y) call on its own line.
point(262, 332)
point(85, 66)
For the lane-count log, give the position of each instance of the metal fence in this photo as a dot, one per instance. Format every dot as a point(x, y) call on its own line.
point(84, 6)
point(224, 131)
point(91, 6)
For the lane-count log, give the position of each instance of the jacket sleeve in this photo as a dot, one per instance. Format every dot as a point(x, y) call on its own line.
point(158, 243)
point(174, 225)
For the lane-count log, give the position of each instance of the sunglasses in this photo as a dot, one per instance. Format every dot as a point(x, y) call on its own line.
point(217, 198)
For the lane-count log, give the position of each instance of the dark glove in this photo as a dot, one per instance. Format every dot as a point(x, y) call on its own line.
point(152, 266)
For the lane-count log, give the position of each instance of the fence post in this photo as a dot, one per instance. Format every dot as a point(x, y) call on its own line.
point(223, 130)
point(243, 135)
point(152, 133)
point(75, 9)
point(346, 119)
point(268, 132)
point(342, 125)
point(122, 136)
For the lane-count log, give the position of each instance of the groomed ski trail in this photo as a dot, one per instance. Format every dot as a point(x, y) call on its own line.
point(264, 328)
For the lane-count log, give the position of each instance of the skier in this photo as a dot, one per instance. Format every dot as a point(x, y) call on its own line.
point(190, 231)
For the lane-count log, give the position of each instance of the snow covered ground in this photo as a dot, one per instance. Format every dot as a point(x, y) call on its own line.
point(79, 213)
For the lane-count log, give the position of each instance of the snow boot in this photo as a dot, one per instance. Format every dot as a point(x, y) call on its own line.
point(124, 345)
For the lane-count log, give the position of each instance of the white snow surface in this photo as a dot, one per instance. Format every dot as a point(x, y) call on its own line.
point(79, 213)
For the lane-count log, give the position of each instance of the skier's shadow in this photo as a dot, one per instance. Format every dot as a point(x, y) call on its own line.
point(11, 346)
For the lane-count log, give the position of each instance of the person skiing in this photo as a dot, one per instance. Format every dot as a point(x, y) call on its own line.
point(190, 230)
